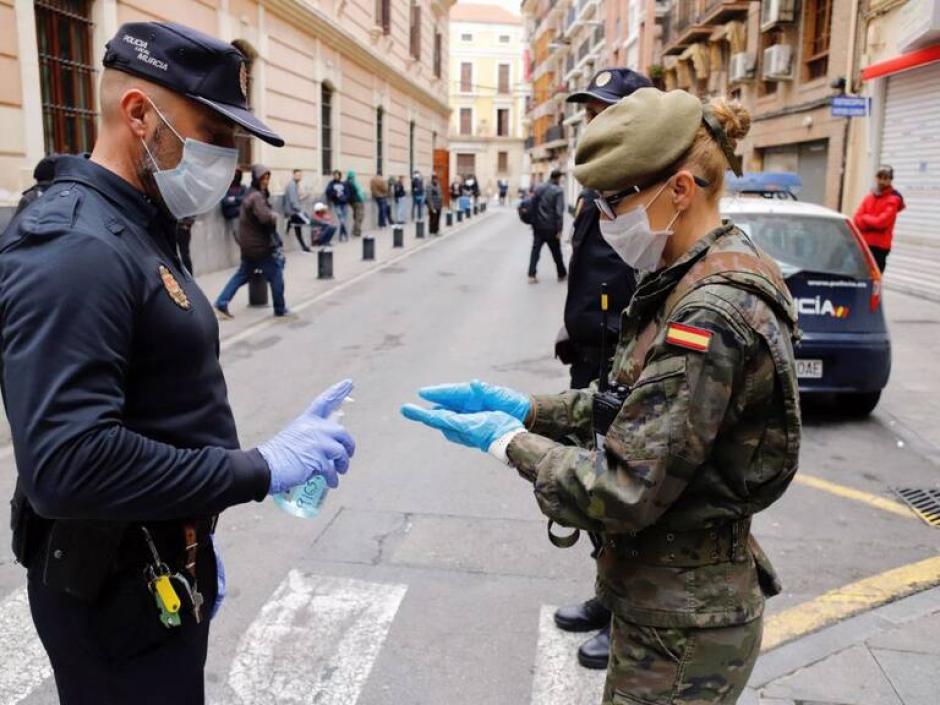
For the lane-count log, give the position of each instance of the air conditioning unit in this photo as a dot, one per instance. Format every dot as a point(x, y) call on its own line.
point(777, 63)
point(774, 12)
point(742, 66)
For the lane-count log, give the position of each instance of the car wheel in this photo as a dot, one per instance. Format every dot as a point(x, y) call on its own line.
point(859, 404)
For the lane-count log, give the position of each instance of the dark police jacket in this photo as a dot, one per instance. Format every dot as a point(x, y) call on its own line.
point(111, 377)
point(593, 263)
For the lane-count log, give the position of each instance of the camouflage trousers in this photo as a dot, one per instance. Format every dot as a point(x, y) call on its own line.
point(685, 666)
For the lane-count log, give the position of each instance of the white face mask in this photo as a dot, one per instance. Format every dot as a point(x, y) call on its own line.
point(201, 178)
point(633, 239)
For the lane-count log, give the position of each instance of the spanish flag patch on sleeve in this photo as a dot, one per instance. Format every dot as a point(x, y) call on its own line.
point(688, 337)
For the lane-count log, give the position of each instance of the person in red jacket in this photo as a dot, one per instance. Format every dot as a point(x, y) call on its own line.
point(876, 215)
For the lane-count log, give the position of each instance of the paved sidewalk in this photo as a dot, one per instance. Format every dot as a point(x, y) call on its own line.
point(889, 656)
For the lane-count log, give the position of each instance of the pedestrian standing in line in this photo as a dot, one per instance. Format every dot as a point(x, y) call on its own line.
point(294, 210)
point(400, 200)
point(261, 247)
point(695, 429)
point(337, 195)
point(548, 220)
point(877, 214)
point(232, 204)
point(474, 186)
point(456, 186)
point(357, 202)
point(43, 174)
point(417, 196)
point(593, 264)
point(466, 196)
point(503, 187)
point(127, 451)
point(379, 188)
point(435, 205)
point(184, 238)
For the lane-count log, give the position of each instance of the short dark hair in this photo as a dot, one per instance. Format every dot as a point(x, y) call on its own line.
point(556, 174)
point(885, 170)
point(297, 171)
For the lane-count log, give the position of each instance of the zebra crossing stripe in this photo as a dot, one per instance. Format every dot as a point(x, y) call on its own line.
point(314, 641)
point(25, 664)
point(559, 679)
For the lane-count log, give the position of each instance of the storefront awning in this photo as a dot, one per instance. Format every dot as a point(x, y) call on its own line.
point(904, 62)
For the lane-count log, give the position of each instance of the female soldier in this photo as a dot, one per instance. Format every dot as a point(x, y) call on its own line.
point(706, 426)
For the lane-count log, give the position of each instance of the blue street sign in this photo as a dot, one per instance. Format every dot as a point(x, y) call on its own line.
point(849, 106)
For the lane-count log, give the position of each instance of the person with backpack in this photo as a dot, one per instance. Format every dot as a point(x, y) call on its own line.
point(357, 201)
point(548, 214)
point(293, 210)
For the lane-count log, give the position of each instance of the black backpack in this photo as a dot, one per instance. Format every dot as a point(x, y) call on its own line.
point(527, 209)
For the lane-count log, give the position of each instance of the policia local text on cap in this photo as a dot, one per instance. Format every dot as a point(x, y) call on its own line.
point(126, 447)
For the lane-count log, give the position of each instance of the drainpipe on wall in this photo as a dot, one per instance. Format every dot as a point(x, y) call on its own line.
point(850, 83)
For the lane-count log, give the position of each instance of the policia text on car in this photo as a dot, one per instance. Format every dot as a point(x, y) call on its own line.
point(125, 444)
point(709, 429)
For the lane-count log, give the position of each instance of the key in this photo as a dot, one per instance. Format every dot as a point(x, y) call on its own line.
point(162, 587)
point(168, 619)
point(195, 597)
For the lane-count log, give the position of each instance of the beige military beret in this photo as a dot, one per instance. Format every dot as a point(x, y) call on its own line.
point(637, 139)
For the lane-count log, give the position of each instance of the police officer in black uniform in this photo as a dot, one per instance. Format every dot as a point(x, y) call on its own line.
point(126, 447)
point(593, 263)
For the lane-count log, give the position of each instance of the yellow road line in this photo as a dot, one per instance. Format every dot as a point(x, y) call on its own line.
point(872, 500)
point(849, 600)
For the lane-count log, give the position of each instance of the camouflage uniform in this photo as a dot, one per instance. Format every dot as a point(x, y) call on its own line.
point(704, 440)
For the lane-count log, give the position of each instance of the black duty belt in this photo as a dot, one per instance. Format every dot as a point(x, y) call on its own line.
point(727, 543)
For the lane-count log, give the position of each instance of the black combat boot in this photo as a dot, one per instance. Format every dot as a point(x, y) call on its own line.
point(595, 652)
point(582, 617)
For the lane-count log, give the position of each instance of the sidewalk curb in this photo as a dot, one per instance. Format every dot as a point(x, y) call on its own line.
point(811, 649)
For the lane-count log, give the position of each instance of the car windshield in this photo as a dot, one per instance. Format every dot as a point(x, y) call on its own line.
point(808, 243)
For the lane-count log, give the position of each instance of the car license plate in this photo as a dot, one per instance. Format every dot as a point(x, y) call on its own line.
point(809, 369)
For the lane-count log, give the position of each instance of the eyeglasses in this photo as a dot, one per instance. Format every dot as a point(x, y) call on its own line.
point(607, 205)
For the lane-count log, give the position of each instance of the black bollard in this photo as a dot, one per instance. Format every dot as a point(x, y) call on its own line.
point(476, 209)
point(449, 219)
point(257, 289)
point(368, 248)
point(483, 207)
point(324, 263)
point(398, 236)
point(419, 229)
point(459, 216)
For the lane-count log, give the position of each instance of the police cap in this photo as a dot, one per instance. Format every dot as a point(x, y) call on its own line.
point(610, 85)
point(185, 61)
point(636, 141)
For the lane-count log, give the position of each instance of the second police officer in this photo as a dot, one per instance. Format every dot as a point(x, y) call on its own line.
point(593, 264)
point(126, 448)
point(701, 427)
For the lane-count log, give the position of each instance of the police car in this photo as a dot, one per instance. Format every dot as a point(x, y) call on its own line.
point(845, 349)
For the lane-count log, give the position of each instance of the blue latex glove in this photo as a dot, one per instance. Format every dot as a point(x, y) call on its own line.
point(468, 397)
point(219, 579)
point(481, 430)
point(311, 444)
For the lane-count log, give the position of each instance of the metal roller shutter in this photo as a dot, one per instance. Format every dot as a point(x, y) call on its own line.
point(911, 144)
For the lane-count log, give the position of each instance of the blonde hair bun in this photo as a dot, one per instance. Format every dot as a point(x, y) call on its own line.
point(735, 119)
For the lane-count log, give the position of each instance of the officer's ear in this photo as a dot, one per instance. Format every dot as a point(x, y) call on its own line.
point(682, 190)
point(135, 107)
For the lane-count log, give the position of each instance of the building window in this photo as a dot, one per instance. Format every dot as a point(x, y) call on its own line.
point(438, 54)
point(504, 39)
point(466, 37)
point(466, 121)
point(411, 147)
point(66, 73)
point(503, 78)
point(415, 38)
point(817, 18)
point(383, 15)
point(466, 77)
point(502, 122)
point(502, 162)
point(379, 141)
point(466, 164)
point(326, 128)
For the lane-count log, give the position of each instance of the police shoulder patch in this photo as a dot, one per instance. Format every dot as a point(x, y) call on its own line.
point(688, 337)
point(174, 289)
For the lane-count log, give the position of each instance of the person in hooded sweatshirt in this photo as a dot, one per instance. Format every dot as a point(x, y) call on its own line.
point(357, 201)
point(877, 213)
point(44, 173)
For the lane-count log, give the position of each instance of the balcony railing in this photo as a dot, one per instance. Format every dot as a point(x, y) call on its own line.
point(529, 142)
point(584, 50)
point(599, 34)
point(553, 134)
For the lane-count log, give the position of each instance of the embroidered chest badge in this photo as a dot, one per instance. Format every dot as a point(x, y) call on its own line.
point(174, 289)
point(689, 337)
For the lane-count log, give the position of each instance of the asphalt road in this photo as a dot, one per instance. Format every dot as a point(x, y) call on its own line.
point(428, 578)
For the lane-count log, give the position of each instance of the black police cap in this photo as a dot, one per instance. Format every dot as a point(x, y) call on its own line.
point(191, 63)
point(610, 85)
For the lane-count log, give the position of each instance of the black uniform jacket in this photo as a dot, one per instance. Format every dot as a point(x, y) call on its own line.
point(593, 263)
point(111, 376)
